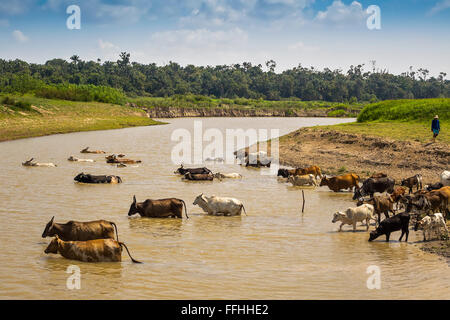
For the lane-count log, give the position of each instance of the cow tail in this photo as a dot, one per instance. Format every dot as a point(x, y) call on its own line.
point(123, 244)
point(185, 208)
point(117, 233)
point(244, 209)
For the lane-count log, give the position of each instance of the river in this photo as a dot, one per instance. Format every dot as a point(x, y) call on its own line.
point(275, 252)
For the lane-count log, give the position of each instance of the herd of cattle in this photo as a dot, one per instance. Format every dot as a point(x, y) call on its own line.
point(94, 241)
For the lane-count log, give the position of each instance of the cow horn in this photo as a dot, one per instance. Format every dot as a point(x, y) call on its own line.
point(51, 221)
point(134, 199)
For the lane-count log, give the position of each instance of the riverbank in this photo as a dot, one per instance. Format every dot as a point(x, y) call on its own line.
point(203, 106)
point(28, 116)
point(381, 147)
point(337, 151)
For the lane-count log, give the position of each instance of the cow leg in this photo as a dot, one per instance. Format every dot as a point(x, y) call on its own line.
point(368, 223)
point(388, 236)
point(354, 226)
point(403, 232)
point(340, 227)
point(424, 236)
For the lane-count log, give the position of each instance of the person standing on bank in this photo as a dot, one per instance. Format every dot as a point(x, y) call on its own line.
point(435, 127)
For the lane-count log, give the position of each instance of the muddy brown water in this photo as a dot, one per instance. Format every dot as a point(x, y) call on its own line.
point(273, 253)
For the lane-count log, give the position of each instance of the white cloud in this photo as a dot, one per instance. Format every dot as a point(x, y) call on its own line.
point(19, 36)
point(340, 14)
point(199, 46)
point(439, 6)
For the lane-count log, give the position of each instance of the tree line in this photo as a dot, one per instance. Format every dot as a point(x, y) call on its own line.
point(225, 81)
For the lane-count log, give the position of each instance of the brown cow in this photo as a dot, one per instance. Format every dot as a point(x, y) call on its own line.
point(199, 177)
point(413, 181)
point(314, 170)
point(100, 250)
point(85, 150)
point(163, 208)
point(338, 183)
point(113, 159)
point(381, 204)
point(81, 231)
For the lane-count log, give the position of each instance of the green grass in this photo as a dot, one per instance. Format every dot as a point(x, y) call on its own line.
point(51, 116)
point(198, 101)
point(406, 110)
point(407, 120)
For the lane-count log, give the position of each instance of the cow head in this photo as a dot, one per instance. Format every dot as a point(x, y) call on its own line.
point(198, 200)
point(374, 234)
point(337, 216)
point(71, 158)
point(404, 182)
point(133, 208)
point(53, 246)
point(358, 193)
point(81, 177)
point(49, 231)
point(181, 170)
point(324, 181)
point(28, 163)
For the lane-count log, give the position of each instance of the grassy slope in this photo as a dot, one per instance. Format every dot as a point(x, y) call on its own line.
point(402, 120)
point(60, 116)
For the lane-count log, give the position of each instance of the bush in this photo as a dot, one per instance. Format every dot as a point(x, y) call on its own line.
point(75, 92)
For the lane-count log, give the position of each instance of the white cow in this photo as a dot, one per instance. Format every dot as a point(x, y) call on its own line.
point(445, 178)
point(30, 163)
point(353, 215)
point(253, 158)
point(431, 224)
point(72, 158)
point(221, 176)
point(306, 180)
point(219, 206)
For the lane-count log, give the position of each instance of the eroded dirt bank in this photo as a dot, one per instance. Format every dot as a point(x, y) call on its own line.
point(175, 112)
point(337, 152)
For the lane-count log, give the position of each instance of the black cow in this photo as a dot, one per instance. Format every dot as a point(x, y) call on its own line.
point(285, 173)
point(87, 178)
point(392, 224)
point(435, 186)
point(370, 186)
point(183, 171)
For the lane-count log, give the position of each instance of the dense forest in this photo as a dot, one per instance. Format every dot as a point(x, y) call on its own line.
point(223, 81)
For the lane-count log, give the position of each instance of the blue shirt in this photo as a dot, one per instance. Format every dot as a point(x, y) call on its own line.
point(435, 125)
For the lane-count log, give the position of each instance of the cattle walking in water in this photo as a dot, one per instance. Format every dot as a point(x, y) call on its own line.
point(30, 163)
point(382, 204)
point(431, 224)
point(199, 177)
point(370, 186)
point(353, 215)
point(219, 205)
point(392, 224)
point(100, 250)
point(86, 150)
point(305, 180)
point(73, 159)
point(88, 178)
point(221, 176)
point(163, 208)
point(413, 181)
point(181, 170)
point(348, 181)
point(81, 231)
point(314, 170)
point(115, 160)
point(285, 173)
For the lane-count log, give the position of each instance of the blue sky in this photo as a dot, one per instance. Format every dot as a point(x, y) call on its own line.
point(319, 33)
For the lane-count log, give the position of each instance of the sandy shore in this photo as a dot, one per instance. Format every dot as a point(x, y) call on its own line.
point(338, 152)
